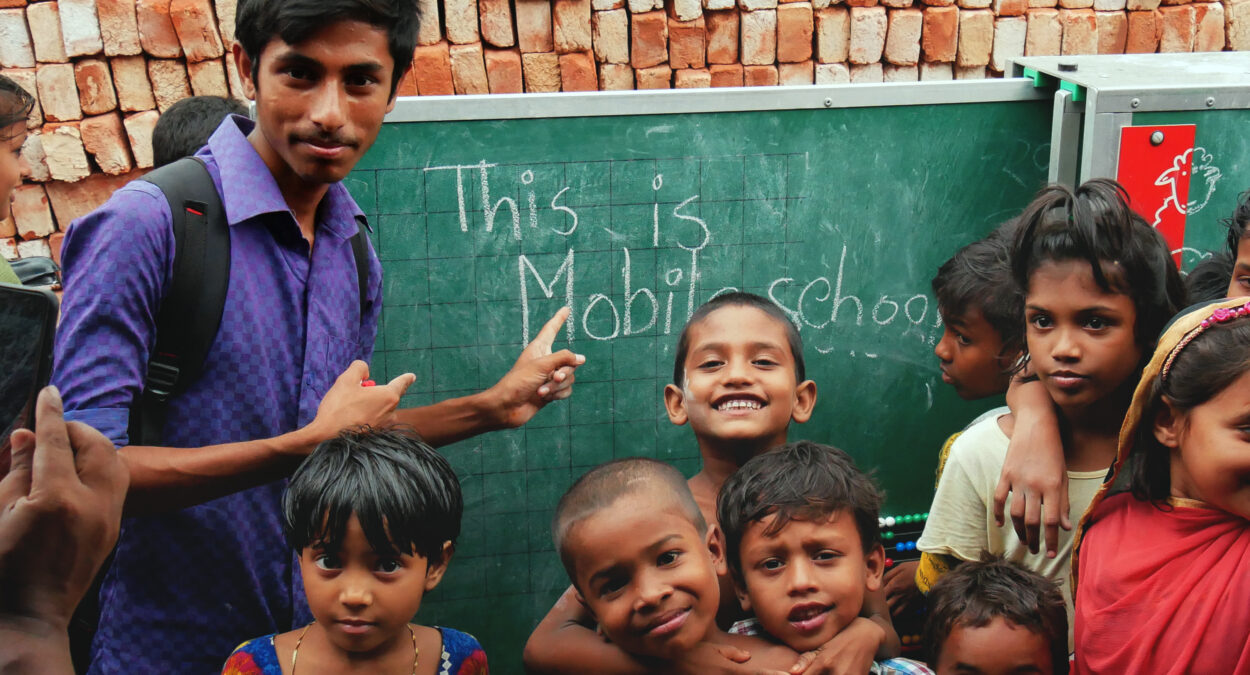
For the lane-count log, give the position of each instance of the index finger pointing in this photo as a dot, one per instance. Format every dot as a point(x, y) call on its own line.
point(54, 461)
point(550, 330)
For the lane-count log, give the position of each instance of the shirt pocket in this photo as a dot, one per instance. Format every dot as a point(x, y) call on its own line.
point(331, 355)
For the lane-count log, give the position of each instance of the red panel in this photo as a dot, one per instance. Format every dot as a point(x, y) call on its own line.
point(1157, 177)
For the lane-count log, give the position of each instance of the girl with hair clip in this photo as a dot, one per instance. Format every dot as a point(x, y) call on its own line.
point(15, 104)
point(1098, 285)
point(1162, 566)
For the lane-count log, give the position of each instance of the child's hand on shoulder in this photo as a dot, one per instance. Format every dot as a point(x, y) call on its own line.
point(717, 659)
point(850, 652)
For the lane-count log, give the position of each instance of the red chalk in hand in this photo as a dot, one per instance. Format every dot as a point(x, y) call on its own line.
point(368, 383)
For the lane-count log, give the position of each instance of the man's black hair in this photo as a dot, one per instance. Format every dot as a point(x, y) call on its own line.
point(185, 127)
point(975, 593)
point(738, 299)
point(979, 277)
point(404, 494)
point(801, 480)
point(292, 21)
point(15, 103)
point(1095, 224)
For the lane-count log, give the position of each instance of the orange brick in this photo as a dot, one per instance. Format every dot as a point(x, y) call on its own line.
point(1080, 31)
point(169, 82)
point(833, 35)
point(1044, 34)
point(902, 40)
point(759, 37)
point(648, 40)
point(542, 71)
point(795, 28)
point(139, 128)
point(571, 24)
point(1178, 27)
point(71, 201)
point(503, 71)
point(577, 72)
point(44, 20)
point(796, 73)
point(55, 240)
point(1143, 32)
point(657, 77)
point(692, 78)
point(62, 146)
point(1010, 7)
point(104, 137)
point(461, 20)
point(429, 30)
point(431, 64)
point(616, 77)
point(1209, 18)
point(95, 87)
point(407, 82)
point(226, 10)
point(496, 17)
point(58, 92)
point(687, 43)
point(118, 27)
point(939, 37)
point(976, 37)
point(533, 26)
point(759, 76)
point(31, 212)
point(610, 33)
point(130, 79)
point(156, 29)
point(208, 78)
point(1113, 32)
point(722, 37)
point(726, 75)
point(468, 69)
point(196, 29)
point(80, 28)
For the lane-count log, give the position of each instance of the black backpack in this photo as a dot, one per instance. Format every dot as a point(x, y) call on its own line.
point(190, 314)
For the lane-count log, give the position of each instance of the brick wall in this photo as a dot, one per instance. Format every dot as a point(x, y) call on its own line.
point(103, 70)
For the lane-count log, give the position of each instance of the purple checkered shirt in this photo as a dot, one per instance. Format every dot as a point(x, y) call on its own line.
point(187, 587)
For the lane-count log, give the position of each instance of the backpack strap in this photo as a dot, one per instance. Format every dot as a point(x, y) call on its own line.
point(190, 312)
point(360, 251)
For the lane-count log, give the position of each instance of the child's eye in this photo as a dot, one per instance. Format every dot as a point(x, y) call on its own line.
point(389, 566)
point(771, 564)
point(708, 364)
point(327, 562)
point(298, 73)
point(1096, 323)
point(766, 362)
point(360, 81)
point(1244, 282)
point(962, 339)
point(1040, 321)
point(667, 558)
point(611, 586)
point(826, 555)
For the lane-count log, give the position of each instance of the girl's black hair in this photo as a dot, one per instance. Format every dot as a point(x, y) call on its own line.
point(15, 103)
point(1094, 223)
point(404, 493)
point(1203, 368)
point(1237, 223)
point(1208, 280)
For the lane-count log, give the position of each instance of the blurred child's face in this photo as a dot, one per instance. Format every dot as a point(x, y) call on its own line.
point(971, 354)
point(740, 382)
point(1081, 338)
point(363, 599)
point(807, 582)
point(13, 167)
point(997, 648)
point(1239, 284)
point(1211, 449)
point(647, 575)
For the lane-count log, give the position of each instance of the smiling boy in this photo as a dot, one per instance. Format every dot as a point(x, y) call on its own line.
point(286, 364)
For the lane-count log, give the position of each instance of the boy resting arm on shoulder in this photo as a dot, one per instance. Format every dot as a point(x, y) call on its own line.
point(803, 546)
point(645, 563)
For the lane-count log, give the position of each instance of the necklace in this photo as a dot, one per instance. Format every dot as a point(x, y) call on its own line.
point(416, 653)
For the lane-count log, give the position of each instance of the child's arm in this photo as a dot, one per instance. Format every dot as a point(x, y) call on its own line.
point(566, 642)
point(1034, 469)
point(851, 651)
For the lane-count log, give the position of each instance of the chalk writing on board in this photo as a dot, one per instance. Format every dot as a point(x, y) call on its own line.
point(663, 299)
point(1197, 163)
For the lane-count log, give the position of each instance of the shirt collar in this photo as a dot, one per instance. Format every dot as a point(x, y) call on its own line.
point(249, 190)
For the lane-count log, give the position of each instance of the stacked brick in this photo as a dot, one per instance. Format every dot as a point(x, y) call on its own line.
point(103, 70)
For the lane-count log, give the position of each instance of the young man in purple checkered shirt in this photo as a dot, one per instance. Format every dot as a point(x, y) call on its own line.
point(201, 563)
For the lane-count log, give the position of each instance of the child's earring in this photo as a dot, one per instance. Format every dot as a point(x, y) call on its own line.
point(436, 568)
point(804, 401)
point(675, 404)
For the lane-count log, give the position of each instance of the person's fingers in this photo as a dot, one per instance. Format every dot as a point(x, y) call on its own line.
point(1017, 513)
point(98, 464)
point(733, 653)
point(1000, 500)
point(16, 483)
point(541, 344)
point(356, 373)
point(804, 662)
point(53, 465)
point(554, 362)
point(400, 384)
point(1050, 522)
point(1032, 521)
point(1065, 520)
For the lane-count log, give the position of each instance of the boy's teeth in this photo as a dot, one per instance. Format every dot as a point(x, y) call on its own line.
point(740, 404)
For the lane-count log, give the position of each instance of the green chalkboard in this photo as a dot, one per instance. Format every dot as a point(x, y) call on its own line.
point(842, 215)
point(1220, 142)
